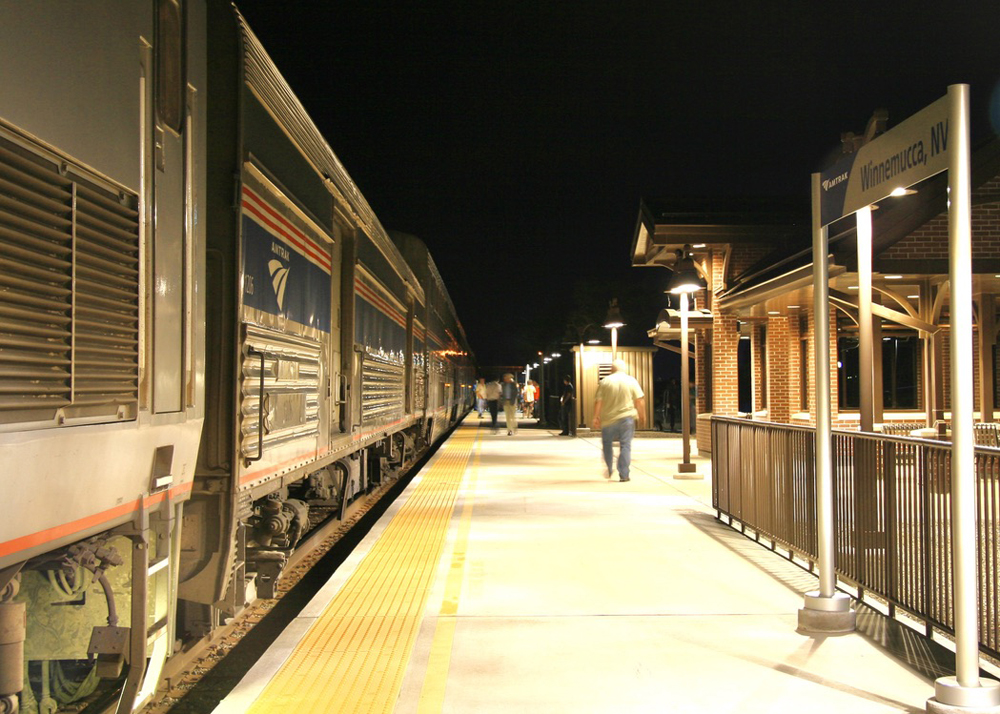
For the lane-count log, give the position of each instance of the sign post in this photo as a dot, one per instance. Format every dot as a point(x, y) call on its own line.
point(933, 140)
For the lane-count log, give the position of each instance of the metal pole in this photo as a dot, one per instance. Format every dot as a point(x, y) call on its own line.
point(825, 610)
point(685, 381)
point(866, 379)
point(966, 688)
point(824, 470)
point(963, 468)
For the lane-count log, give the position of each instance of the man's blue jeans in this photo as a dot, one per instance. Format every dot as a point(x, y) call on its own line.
point(621, 431)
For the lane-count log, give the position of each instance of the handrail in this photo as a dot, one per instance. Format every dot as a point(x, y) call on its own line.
point(892, 514)
point(260, 409)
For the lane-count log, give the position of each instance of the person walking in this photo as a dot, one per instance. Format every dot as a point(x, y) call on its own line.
point(529, 400)
point(620, 404)
point(508, 395)
point(481, 396)
point(492, 392)
point(568, 408)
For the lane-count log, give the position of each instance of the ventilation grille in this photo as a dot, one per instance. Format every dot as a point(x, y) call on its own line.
point(292, 376)
point(69, 295)
point(381, 389)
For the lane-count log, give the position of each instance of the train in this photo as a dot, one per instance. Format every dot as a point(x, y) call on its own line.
point(205, 331)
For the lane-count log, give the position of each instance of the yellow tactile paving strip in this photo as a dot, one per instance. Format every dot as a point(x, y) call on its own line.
point(432, 694)
point(354, 657)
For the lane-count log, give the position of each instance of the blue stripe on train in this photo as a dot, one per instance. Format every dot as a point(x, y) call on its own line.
point(281, 281)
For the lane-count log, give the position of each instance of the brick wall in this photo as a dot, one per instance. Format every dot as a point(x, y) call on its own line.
point(930, 241)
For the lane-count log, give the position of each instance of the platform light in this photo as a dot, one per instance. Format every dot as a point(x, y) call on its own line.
point(546, 360)
point(893, 277)
point(685, 278)
point(793, 307)
point(556, 355)
point(684, 282)
point(613, 321)
point(593, 342)
point(773, 312)
point(902, 191)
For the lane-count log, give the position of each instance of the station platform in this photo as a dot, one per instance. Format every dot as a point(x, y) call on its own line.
point(511, 576)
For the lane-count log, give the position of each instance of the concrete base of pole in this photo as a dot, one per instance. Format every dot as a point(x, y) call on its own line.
point(952, 698)
point(688, 472)
point(827, 615)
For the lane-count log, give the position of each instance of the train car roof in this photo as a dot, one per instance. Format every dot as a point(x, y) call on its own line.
point(269, 86)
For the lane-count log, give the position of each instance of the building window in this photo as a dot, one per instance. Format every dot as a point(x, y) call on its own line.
point(744, 369)
point(762, 359)
point(804, 374)
point(707, 384)
point(900, 371)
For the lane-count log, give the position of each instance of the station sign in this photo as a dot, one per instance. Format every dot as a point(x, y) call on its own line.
point(911, 152)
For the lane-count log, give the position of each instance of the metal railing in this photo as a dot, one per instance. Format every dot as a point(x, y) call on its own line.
point(892, 513)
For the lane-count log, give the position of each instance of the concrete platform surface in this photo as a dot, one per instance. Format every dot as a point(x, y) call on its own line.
point(561, 591)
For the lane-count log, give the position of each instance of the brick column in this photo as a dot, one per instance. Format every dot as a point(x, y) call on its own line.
point(782, 388)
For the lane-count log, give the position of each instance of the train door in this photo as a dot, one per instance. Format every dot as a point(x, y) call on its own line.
point(287, 263)
point(170, 213)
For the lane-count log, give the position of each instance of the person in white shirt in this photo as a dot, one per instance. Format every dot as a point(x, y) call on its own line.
point(529, 399)
point(620, 405)
point(481, 396)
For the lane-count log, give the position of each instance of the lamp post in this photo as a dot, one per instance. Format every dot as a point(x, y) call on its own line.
point(684, 282)
point(612, 322)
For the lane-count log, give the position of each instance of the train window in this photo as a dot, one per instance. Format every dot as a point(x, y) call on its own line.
point(170, 65)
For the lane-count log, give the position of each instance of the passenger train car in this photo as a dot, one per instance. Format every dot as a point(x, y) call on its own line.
point(204, 331)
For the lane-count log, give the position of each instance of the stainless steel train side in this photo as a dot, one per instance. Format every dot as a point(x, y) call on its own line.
point(204, 331)
point(102, 176)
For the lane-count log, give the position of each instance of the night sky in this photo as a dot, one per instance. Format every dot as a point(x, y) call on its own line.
point(517, 138)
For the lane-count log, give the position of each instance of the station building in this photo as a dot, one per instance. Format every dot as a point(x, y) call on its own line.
point(752, 327)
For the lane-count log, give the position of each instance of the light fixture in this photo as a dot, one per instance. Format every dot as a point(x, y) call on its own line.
point(913, 297)
point(685, 278)
point(773, 312)
point(698, 245)
point(793, 307)
point(593, 342)
point(852, 287)
point(546, 360)
point(901, 191)
point(556, 355)
point(614, 316)
point(893, 277)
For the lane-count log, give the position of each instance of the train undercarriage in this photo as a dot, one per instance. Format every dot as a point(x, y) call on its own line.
point(71, 619)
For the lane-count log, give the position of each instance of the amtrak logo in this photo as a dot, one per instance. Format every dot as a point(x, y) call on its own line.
point(830, 183)
point(279, 279)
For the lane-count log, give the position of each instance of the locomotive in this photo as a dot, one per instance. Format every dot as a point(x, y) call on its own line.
point(204, 331)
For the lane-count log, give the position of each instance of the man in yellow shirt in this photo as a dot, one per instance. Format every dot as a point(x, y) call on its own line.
point(620, 403)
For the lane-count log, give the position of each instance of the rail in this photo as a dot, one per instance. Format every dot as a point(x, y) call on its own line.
point(892, 512)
